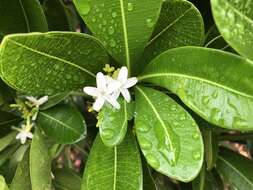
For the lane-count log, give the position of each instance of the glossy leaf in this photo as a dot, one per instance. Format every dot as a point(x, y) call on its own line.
point(236, 169)
point(50, 63)
point(179, 24)
point(124, 27)
point(214, 84)
point(3, 185)
point(117, 168)
point(57, 14)
point(169, 138)
point(63, 123)
point(7, 153)
point(40, 163)
point(21, 17)
point(234, 20)
point(66, 180)
point(211, 143)
point(113, 123)
point(21, 180)
point(54, 100)
point(6, 140)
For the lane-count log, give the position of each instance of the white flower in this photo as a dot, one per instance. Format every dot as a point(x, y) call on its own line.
point(125, 83)
point(37, 102)
point(24, 134)
point(103, 92)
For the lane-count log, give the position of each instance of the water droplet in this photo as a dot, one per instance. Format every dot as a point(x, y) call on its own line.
point(56, 67)
point(130, 7)
point(145, 144)
point(239, 122)
point(108, 133)
point(195, 136)
point(114, 14)
point(94, 19)
point(205, 99)
point(68, 76)
point(111, 30)
point(112, 43)
point(153, 161)
point(144, 128)
point(104, 22)
point(215, 94)
point(150, 23)
point(84, 6)
point(197, 156)
point(231, 16)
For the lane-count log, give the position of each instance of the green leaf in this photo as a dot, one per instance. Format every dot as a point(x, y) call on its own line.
point(57, 14)
point(66, 180)
point(63, 123)
point(7, 153)
point(54, 100)
point(21, 16)
point(148, 180)
point(3, 185)
point(214, 84)
point(21, 180)
point(40, 163)
point(180, 24)
point(124, 27)
point(6, 140)
point(169, 138)
point(50, 63)
point(236, 169)
point(211, 143)
point(117, 168)
point(113, 123)
point(234, 20)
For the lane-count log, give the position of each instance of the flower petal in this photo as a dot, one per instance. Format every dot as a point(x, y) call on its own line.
point(126, 95)
point(32, 99)
point(112, 101)
point(92, 91)
point(23, 139)
point(123, 74)
point(130, 82)
point(29, 135)
point(42, 100)
point(98, 104)
point(101, 81)
point(113, 86)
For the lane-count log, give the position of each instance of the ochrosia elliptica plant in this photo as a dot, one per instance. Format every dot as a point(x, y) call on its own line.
point(162, 101)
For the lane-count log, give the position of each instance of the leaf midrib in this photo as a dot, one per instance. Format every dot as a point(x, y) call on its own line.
point(25, 16)
point(52, 57)
point(194, 78)
point(158, 117)
point(168, 27)
point(235, 169)
point(125, 33)
point(58, 121)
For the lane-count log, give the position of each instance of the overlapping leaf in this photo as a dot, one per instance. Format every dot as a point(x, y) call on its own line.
point(215, 84)
point(117, 168)
point(169, 138)
point(113, 123)
point(179, 24)
point(123, 26)
point(50, 63)
point(63, 123)
point(234, 19)
point(21, 17)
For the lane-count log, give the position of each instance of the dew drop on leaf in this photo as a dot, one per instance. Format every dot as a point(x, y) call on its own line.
point(108, 133)
point(84, 6)
point(153, 161)
point(111, 30)
point(112, 43)
point(130, 7)
point(114, 15)
point(150, 23)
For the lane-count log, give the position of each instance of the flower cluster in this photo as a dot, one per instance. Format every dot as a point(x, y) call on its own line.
point(109, 89)
point(29, 111)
